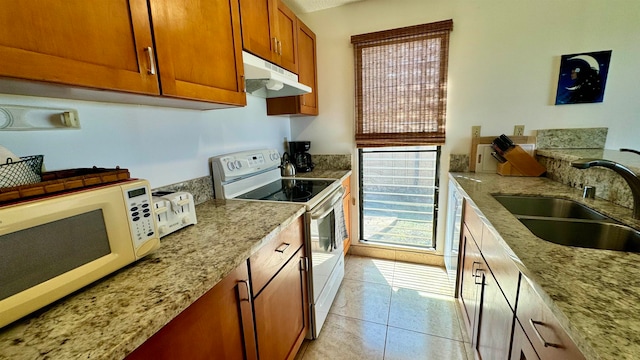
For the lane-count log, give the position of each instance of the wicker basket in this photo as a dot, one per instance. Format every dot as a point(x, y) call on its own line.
point(26, 171)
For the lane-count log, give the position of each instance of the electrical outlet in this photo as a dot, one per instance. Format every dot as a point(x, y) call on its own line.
point(475, 131)
point(518, 130)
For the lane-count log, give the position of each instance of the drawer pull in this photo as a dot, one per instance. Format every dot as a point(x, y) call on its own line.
point(248, 298)
point(282, 248)
point(474, 271)
point(533, 324)
point(481, 276)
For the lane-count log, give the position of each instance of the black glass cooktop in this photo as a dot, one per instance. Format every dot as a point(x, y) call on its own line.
point(292, 190)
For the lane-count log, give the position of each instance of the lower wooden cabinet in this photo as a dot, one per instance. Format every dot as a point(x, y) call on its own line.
point(545, 334)
point(219, 325)
point(522, 348)
point(346, 204)
point(282, 311)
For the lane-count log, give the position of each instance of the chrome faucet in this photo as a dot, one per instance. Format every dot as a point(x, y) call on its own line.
point(632, 178)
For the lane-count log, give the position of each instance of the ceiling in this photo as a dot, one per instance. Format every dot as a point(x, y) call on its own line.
point(306, 6)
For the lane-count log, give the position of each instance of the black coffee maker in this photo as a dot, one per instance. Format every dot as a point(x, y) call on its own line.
point(300, 157)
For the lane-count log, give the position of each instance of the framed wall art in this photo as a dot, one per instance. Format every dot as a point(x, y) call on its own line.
point(583, 77)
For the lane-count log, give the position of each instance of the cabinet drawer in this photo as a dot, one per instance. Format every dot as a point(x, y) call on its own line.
point(542, 328)
point(265, 263)
point(503, 268)
point(473, 222)
point(346, 184)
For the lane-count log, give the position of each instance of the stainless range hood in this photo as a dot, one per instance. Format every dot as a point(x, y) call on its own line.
point(265, 79)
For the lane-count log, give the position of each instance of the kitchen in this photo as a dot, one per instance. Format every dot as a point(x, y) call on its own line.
point(505, 47)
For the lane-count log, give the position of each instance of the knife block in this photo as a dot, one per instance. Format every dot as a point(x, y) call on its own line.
point(520, 163)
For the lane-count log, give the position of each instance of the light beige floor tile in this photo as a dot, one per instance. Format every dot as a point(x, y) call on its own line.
point(368, 269)
point(409, 345)
point(363, 300)
point(423, 312)
point(346, 338)
point(424, 278)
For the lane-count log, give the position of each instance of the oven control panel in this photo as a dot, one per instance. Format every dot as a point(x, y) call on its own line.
point(236, 165)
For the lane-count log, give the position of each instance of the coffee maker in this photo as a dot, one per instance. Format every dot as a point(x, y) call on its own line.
point(300, 157)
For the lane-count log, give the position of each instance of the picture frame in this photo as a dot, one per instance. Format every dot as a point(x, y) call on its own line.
point(583, 77)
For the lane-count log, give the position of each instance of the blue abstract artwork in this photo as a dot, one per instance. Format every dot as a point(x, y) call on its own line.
point(583, 77)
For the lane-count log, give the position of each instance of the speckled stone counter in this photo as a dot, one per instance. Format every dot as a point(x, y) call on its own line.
point(325, 174)
point(112, 317)
point(594, 293)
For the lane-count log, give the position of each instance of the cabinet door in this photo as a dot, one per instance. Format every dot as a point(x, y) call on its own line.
point(469, 283)
point(347, 220)
point(96, 44)
point(522, 348)
point(281, 311)
point(495, 321)
point(199, 49)
point(307, 69)
point(287, 35)
point(219, 325)
point(258, 33)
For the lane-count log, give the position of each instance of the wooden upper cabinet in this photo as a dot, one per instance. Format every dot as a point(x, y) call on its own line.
point(269, 30)
point(95, 44)
point(287, 34)
point(306, 104)
point(199, 49)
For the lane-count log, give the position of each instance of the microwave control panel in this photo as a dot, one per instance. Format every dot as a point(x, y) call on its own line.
point(140, 214)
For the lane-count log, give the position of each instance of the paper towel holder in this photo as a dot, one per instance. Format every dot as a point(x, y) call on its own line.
point(24, 118)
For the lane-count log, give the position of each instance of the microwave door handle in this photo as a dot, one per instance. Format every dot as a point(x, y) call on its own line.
point(328, 205)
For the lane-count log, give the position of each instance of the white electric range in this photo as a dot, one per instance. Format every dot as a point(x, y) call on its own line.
point(255, 176)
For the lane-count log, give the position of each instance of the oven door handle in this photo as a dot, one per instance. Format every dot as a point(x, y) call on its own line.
point(327, 206)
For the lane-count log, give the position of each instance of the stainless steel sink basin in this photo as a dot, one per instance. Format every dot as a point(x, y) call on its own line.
point(547, 207)
point(587, 234)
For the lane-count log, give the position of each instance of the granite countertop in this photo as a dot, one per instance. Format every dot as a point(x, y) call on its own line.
point(112, 317)
point(594, 293)
point(325, 174)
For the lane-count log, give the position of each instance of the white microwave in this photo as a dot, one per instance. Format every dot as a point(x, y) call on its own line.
point(52, 246)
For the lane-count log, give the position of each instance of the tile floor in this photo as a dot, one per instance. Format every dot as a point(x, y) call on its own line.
point(389, 309)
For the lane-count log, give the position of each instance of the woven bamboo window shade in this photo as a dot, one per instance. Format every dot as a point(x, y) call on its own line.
point(401, 85)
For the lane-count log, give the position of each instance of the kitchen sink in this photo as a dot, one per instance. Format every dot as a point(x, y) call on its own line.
point(586, 234)
point(547, 207)
point(567, 222)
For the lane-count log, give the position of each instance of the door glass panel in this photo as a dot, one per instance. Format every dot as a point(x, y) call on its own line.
point(399, 192)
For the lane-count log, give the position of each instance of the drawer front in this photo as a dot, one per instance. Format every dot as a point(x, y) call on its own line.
point(542, 328)
point(503, 268)
point(265, 263)
point(473, 222)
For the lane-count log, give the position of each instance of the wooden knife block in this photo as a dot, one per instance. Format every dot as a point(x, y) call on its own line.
point(520, 163)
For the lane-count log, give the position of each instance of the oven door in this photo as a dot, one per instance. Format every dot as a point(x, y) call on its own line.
point(326, 249)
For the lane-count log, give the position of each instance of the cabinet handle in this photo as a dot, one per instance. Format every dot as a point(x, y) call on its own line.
point(246, 283)
point(473, 268)
point(279, 47)
point(533, 324)
point(275, 44)
point(152, 61)
point(479, 276)
point(282, 248)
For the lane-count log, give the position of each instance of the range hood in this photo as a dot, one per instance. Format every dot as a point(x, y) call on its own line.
point(265, 79)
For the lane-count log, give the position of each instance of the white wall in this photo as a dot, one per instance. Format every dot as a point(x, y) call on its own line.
point(162, 145)
point(503, 68)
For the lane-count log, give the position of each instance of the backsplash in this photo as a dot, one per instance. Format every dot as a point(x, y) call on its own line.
point(332, 162)
point(201, 188)
point(586, 138)
point(459, 162)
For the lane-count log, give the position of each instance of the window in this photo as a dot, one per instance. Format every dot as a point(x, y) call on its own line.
point(401, 91)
